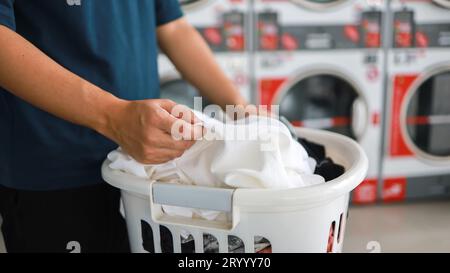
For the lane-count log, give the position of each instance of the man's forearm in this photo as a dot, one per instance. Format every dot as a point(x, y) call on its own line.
point(28, 73)
point(195, 61)
point(142, 128)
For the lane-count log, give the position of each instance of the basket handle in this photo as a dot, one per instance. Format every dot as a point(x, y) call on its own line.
point(196, 197)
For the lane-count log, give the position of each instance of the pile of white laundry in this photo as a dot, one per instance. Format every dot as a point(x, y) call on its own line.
point(255, 152)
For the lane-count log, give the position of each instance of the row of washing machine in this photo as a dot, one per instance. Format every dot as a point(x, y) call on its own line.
point(376, 71)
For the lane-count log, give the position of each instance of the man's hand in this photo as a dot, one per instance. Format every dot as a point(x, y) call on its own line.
point(143, 129)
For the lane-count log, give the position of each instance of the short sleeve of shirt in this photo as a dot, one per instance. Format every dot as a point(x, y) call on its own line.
point(166, 11)
point(7, 14)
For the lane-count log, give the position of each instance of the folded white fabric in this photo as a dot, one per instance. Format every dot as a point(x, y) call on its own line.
point(256, 152)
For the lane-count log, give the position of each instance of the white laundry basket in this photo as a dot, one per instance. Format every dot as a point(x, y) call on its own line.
point(293, 220)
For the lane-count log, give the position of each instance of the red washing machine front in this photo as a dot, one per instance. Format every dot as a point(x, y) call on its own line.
point(268, 89)
point(402, 85)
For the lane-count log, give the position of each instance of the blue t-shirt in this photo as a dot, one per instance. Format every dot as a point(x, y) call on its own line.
point(111, 43)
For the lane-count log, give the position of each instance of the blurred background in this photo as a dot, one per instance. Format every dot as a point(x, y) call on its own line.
point(377, 71)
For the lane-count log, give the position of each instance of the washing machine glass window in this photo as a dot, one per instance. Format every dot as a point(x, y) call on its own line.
point(181, 92)
point(443, 3)
point(191, 4)
point(319, 4)
point(428, 116)
point(325, 101)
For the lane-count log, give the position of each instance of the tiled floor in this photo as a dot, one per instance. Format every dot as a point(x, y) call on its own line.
point(416, 227)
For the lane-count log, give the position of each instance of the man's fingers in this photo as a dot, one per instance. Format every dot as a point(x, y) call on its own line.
point(179, 111)
point(166, 122)
point(166, 141)
point(185, 113)
point(167, 105)
point(186, 131)
point(179, 129)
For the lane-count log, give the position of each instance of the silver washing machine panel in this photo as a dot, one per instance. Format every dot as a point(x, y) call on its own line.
point(428, 116)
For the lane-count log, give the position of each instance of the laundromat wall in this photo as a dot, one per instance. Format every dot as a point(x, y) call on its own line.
point(377, 71)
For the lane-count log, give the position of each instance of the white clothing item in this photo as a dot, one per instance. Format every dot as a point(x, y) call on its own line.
point(256, 152)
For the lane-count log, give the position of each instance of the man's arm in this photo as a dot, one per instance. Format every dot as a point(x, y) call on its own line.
point(142, 128)
point(193, 58)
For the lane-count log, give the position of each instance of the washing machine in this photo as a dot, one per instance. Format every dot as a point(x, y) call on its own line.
point(223, 25)
point(321, 63)
point(416, 163)
point(317, 24)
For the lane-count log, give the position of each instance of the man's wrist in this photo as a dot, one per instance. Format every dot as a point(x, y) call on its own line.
point(109, 114)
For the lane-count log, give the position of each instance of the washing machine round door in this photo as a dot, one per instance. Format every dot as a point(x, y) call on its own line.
point(325, 101)
point(180, 92)
point(191, 4)
point(443, 3)
point(426, 113)
point(319, 4)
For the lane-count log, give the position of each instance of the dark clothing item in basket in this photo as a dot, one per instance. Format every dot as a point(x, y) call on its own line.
point(325, 165)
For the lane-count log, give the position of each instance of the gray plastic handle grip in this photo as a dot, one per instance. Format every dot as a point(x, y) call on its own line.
point(196, 197)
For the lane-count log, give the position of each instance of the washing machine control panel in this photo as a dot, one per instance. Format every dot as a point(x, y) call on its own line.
point(408, 33)
point(274, 36)
point(268, 31)
point(228, 35)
